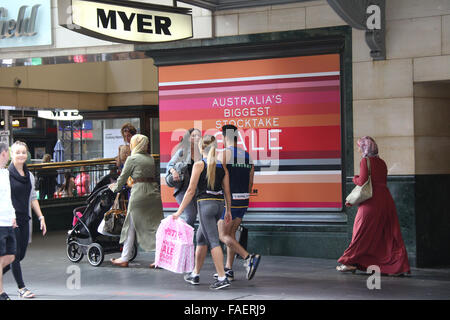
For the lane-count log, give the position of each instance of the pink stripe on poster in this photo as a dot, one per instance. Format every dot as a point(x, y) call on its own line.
point(272, 86)
point(221, 101)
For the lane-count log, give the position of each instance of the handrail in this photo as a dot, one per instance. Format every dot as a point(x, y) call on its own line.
point(78, 163)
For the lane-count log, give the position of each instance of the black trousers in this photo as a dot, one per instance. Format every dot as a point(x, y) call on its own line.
point(22, 237)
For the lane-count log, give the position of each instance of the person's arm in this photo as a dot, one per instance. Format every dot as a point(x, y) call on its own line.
point(122, 180)
point(227, 193)
point(171, 164)
point(37, 210)
point(363, 173)
point(190, 192)
point(250, 182)
point(35, 206)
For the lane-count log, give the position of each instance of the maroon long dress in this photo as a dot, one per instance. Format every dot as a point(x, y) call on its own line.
point(376, 239)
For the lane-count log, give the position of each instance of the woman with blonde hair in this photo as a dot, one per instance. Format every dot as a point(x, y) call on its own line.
point(210, 180)
point(144, 212)
point(377, 238)
point(24, 198)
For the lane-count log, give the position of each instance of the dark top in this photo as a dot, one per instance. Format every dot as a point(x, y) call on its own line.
point(239, 168)
point(203, 190)
point(20, 193)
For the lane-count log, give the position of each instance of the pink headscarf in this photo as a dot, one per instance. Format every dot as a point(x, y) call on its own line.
point(368, 147)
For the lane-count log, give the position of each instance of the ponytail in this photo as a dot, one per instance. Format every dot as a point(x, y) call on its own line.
point(211, 171)
point(208, 144)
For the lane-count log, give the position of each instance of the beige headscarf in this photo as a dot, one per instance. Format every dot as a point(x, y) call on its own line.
point(138, 144)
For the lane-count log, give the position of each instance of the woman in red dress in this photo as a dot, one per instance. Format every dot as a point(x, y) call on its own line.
point(376, 239)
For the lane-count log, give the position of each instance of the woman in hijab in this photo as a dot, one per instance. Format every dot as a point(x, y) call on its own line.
point(377, 239)
point(144, 213)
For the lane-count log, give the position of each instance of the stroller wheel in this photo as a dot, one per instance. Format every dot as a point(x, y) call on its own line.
point(95, 254)
point(74, 252)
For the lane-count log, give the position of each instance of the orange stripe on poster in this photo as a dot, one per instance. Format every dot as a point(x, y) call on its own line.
point(281, 192)
point(297, 178)
point(250, 68)
point(299, 192)
point(166, 193)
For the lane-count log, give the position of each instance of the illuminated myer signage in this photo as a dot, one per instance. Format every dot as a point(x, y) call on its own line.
point(63, 115)
point(126, 21)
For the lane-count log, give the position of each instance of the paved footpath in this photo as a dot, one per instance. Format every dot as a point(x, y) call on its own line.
point(49, 273)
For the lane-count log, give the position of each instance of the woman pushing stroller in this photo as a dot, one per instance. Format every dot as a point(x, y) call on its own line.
point(144, 212)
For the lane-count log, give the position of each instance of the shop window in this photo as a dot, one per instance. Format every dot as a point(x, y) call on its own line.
point(93, 139)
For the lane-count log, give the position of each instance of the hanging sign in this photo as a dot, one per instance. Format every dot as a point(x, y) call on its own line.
point(63, 115)
point(126, 21)
point(368, 15)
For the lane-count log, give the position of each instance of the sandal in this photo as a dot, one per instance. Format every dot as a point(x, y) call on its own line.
point(344, 268)
point(154, 266)
point(26, 293)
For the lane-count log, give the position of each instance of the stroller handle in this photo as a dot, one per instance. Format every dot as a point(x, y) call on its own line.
point(78, 209)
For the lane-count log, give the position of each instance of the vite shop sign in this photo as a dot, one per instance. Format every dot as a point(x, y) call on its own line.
point(25, 23)
point(126, 21)
point(61, 115)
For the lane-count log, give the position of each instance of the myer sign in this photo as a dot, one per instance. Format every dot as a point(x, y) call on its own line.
point(25, 23)
point(126, 21)
point(63, 115)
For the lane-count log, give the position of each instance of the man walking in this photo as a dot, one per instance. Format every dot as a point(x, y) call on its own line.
point(241, 172)
point(7, 219)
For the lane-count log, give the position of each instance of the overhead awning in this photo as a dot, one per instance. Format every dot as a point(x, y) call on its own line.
point(217, 5)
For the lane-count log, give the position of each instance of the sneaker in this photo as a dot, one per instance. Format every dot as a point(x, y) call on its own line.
point(192, 280)
point(26, 293)
point(228, 272)
point(4, 296)
point(220, 284)
point(251, 264)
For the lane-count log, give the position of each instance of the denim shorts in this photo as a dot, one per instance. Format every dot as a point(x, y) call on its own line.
point(7, 241)
point(235, 213)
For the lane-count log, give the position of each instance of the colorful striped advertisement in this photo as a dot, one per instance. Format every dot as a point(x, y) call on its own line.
point(289, 116)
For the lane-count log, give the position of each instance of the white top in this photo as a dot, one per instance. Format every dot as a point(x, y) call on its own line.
point(7, 212)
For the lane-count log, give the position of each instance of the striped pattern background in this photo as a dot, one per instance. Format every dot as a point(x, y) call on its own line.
point(288, 103)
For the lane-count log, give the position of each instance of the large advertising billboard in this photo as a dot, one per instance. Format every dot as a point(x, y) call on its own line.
point(288, 112)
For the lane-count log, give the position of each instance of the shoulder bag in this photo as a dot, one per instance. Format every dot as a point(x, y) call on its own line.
point(182, 169)
point(361, 193)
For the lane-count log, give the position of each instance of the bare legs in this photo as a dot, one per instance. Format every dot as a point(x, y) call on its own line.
point(227, 234)
point(4, 261)
point(217, 256)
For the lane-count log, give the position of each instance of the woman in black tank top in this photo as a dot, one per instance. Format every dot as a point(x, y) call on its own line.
point(210, 179)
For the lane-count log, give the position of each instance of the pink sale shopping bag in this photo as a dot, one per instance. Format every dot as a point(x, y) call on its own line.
point(175, 245)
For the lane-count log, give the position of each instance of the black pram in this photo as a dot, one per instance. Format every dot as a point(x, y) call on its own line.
point(84, 237)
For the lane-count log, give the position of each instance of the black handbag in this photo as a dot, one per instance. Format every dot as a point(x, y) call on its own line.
point(115, 218)
point(182, 169)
